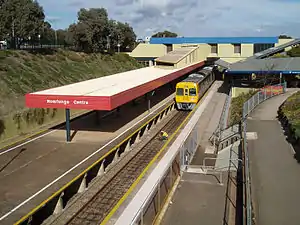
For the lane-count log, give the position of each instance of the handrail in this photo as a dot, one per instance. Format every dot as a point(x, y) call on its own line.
point(224, 116)
point(229, 159)
point(228, 137)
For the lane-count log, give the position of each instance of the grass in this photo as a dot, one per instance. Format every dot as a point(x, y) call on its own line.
point(291, 109)
point(22, 72)
point(236, 107)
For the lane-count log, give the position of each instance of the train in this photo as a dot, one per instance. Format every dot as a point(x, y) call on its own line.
point(190, 90)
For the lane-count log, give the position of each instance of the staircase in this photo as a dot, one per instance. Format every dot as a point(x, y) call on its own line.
point(223, 159)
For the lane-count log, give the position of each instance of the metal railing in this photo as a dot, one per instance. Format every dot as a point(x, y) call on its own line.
point(223, 123)
point(57, 202)
point(262, 95)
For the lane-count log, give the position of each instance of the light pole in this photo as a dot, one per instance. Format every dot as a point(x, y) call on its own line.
point(39, 36)
point(54, 20)
point(149, 103)
point(119, 48)
point(108, 42)
point(29, 38)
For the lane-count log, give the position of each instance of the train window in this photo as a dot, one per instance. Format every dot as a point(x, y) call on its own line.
point(179, 91)
point(192, 91)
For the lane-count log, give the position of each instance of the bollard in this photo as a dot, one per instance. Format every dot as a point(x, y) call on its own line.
point(116, 157)
point(138, 137)
point(158, 119)
point(59, 205)
point(82, 187)
point(127, 148)
point(146, 129)
point(101, 170)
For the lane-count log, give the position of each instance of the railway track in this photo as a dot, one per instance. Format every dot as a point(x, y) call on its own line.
point(95, 211)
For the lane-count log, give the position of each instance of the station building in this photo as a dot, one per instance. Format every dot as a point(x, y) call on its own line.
point(230, 49)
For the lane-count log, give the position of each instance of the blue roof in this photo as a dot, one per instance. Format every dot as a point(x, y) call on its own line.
point(214, 40)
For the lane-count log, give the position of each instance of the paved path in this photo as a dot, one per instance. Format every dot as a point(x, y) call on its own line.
point(275, 173)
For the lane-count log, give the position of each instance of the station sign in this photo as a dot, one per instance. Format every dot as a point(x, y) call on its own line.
point(67, 102)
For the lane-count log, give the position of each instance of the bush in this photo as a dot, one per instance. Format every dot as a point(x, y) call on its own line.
point(18, 119)
point(291, 109)
point(294, 52)
point(236, 108)
point(39, 115)
point(28, 116)
point(54, 111)
point(2, 127)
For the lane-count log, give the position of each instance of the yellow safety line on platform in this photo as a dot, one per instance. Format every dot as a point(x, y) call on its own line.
point(107, 218)
point(159, 216)
point(87, 169)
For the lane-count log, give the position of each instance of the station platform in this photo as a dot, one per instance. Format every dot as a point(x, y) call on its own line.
point(35, 170)
point(199, 198)
point(274, 172)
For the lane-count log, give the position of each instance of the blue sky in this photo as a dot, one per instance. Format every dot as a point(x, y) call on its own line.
point(189, 17)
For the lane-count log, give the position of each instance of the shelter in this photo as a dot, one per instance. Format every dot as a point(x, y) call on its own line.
point(106, 93)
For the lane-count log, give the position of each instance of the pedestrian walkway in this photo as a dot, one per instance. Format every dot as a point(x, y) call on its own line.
point(275, 174)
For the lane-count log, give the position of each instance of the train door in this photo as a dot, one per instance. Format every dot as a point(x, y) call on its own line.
point(199, 91)
point(186, 93)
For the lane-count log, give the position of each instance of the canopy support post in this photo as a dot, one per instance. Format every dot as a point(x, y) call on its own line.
point(68, 130)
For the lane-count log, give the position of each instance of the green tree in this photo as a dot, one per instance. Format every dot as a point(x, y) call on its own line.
point(21, 19)
point(283, 36)
point(294, 52)
point(165, 34)
point(122, 34)
point(94, 32)
point(89, 34)
point(47, 34)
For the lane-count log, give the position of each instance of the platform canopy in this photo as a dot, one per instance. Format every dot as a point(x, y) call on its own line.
point(271, 65)
point(106, 93)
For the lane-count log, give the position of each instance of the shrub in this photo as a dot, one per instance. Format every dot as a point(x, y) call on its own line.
point(39, 115)
point(17, 119)
point(54, 111)
point(28, 116)
point(2, 127)
point(236, 108)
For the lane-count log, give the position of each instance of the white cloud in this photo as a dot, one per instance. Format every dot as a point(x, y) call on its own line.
point(192, 17)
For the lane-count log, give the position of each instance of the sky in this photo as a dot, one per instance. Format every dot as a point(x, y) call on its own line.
point(197, 18)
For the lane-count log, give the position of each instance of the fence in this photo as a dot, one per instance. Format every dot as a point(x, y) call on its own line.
point(223, 123)
point(262, 95)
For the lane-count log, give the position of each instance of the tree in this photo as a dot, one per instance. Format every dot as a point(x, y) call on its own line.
point(91, 31)
point(165, 34)
point(94, 32)
point(47, 34)
point(21, 19)
point(122, 34)
point(62, 37)
point(294, 52)
point(283, 36)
